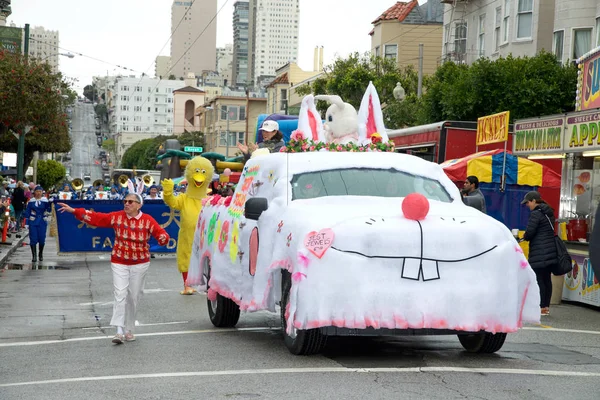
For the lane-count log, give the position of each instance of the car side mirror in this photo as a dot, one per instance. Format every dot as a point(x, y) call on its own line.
point(255, 207)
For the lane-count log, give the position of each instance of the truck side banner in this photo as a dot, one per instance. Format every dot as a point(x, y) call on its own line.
point(75, 236)
point(539, 135)
point(493, 128)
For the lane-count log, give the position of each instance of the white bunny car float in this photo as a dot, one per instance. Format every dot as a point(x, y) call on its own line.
point(349, 239)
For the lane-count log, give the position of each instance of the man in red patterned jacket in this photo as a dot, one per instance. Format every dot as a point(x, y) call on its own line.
point(130, 257)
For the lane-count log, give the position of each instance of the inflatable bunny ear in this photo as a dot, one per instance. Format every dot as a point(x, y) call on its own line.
point(139, 185)
point(370, 117)
point(309, 120)
point(332, 99)
point(130, 186)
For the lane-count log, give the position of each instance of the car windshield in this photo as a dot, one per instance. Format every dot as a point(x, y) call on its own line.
point(365, 182)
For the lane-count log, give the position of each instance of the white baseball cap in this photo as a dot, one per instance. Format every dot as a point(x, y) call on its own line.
point(270, 126)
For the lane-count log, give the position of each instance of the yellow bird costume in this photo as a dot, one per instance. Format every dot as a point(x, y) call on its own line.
point(198, 172)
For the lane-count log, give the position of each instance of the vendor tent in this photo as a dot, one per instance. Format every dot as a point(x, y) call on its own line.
point(522, 176)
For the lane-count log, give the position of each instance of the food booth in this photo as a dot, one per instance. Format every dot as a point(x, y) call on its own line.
point(572, 141)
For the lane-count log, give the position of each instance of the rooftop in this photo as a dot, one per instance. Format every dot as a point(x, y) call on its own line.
point(398, 11)
point(188, 89)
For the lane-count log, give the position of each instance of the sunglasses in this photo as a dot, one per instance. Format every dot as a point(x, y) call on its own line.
point(130, 201)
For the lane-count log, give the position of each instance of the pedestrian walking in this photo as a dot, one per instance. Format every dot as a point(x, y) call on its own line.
point(130, 256)
point(472, 195)
point(542, 248)
point(37, 215)
point(18, 202)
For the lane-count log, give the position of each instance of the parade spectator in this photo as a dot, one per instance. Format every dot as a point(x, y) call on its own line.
point(4, 189)
point(153, 193)
point(595, 245)
point(272, 140)
point(542, 248)
point(472, 195)
point(130, 256)
point(18, 202)
point(37, 214)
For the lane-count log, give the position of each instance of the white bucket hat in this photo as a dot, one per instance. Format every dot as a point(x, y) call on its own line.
point(270, 126)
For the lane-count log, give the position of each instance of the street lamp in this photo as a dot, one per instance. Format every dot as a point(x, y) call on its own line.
point(399, 92)
point(68, 55)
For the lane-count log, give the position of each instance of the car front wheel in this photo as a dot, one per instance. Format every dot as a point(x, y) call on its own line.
point(483, 342)
point(223, 312)
point(306, 342)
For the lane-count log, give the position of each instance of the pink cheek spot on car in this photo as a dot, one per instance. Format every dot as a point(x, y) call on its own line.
point(303, 260)
point(524, 264)
point(518, 249)
point(415, 206)
point(298, 276)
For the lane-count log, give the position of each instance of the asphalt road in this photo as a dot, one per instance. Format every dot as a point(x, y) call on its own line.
point(85, 148)
point(55, 344)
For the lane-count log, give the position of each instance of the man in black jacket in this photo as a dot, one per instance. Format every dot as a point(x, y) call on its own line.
point(542, 247)
point(18, 203)
point(472, 195)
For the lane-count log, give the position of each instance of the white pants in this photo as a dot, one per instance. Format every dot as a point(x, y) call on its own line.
point(128, 282)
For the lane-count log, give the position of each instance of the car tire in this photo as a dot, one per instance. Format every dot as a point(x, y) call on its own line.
point(307, 342)
point(223, 312)
point(483, 342)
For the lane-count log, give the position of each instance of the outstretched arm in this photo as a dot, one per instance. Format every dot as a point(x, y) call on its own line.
point(100, 220)
point(175, 202)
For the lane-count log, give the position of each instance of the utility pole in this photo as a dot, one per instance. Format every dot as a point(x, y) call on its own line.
point(227, 134)
point(21, 148)
point(420, 85)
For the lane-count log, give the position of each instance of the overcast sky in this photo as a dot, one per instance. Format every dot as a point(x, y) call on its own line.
point(131, 33)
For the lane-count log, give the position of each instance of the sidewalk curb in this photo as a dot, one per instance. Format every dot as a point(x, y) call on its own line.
point(14, 248)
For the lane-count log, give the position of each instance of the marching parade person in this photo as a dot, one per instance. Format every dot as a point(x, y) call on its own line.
point(37, 214)
point(130, 256)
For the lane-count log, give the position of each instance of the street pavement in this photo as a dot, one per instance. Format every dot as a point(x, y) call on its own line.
point(85, 149)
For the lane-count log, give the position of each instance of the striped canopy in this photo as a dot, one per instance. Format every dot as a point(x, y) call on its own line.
point(487, 167)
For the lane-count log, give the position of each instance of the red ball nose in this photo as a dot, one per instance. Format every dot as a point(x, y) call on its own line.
point(415, 206)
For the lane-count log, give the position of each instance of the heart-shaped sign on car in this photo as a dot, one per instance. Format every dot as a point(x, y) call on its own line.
point(318, 242)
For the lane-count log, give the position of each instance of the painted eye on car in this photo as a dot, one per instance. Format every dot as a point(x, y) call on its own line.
point(330, 118)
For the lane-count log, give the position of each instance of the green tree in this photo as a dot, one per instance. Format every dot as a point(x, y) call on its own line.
point(350, 77)
point(527, 87)
point(135, 156)
point(172, 77)
point(109, 146)
point(101, 111)
point(90, 92)
point(31, 94)
point(49, 173)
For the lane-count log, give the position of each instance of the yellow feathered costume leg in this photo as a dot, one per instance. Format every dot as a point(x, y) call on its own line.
point(198, 173)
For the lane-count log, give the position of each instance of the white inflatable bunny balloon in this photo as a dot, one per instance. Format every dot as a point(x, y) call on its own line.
point(341, 120)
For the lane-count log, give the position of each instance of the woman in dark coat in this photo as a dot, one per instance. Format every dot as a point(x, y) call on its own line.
point(542, 248)
point(18, 202)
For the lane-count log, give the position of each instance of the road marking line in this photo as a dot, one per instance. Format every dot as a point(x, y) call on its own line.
point(279, 371)
point(138, 324)
point(190, 332)
point(550, 329)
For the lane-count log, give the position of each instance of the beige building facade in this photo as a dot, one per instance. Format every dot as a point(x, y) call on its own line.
point(186, 100)
point(227, 121)
point(281, 99)
point(399, 30)
point(162, 67)
point(197, 22)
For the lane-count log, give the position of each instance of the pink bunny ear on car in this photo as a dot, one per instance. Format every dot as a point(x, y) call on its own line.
point(309, 120)
point(370, 117)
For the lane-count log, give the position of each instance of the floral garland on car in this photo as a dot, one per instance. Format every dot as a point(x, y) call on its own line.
point(298, 144)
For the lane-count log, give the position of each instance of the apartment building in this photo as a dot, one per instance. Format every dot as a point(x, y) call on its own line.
point(162, 67)
point(576, 29)
point(493, 29)
point(142, 105)
point(224, 65)
point(280, 99)
point(239, 74)
point(43, 45)
point(399, 30)
point(272, 36)
point(193, 22)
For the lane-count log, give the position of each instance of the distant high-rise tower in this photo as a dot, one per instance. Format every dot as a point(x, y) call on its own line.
point(202, 55)
point(240, 43)
point(272, 35)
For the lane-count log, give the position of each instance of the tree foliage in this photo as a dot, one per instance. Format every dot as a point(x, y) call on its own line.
point(49, 173)
point(142, 154)
point(350, 77)
point(90, 93)
point(101, 111)
point(527, 87)
point(31, 94)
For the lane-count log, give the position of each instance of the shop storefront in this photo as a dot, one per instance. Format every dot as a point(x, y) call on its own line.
point(572, 141)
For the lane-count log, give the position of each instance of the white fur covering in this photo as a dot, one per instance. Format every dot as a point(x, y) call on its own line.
point(377, 272)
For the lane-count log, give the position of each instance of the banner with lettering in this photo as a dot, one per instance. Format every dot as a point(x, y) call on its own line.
point(588, 81)
point(582, 130)
point(539, 135)
point(493, 128)
point(75, 236)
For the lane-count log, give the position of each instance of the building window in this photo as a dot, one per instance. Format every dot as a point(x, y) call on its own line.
point(582, 42)
point(460, 38)
point(125, 88)
point(137, 108)
point(284, 100)
point(524, 19)
point(138, 88)
point(377, 51)
point(497, 25)
point(242, 113)
point(391, 51)
point(597, 31)
point(506, 21)
point(557, 47)
point(481, 37)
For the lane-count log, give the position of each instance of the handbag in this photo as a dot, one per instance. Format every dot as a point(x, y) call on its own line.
point(565, 263)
